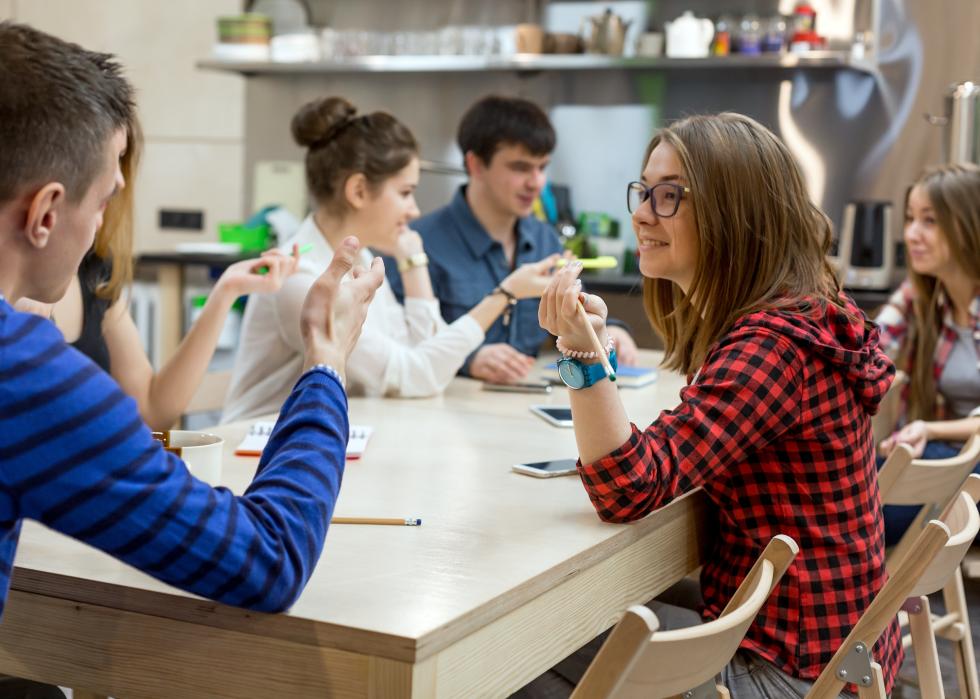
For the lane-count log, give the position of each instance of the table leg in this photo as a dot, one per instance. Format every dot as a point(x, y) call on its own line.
point(170, 278)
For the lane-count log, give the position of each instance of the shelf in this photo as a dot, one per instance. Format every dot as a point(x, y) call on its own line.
point(814, 60)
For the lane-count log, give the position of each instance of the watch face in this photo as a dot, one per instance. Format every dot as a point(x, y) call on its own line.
point(571, 373)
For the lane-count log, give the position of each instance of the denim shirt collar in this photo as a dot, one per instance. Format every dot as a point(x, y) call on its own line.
point(477, 240)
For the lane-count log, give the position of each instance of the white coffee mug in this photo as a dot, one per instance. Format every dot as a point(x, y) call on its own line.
point(201, 451)
point(650, 44)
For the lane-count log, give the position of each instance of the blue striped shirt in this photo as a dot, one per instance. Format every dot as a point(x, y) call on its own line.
point(76, 456)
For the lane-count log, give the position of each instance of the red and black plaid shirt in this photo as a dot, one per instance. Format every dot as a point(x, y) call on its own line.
point(894, 320)
point(776, 429)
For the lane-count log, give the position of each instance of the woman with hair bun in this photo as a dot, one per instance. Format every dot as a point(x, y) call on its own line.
point(362, 171)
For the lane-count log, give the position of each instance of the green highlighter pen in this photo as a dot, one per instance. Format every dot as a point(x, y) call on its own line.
point(305, 248)
point(604, 262)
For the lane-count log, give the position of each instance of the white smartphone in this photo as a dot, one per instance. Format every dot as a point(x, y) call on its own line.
point(519, 387)
point(547, 469)
point(554, 414)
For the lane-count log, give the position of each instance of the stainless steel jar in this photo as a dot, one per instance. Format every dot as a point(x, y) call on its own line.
point(962, 137)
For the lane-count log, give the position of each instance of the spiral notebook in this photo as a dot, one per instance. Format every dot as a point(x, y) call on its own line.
point(258, 437)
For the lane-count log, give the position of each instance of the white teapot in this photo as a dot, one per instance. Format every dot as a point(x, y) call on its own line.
point(689, 36)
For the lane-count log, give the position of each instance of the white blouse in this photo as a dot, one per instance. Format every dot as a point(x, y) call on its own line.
point(406, 351)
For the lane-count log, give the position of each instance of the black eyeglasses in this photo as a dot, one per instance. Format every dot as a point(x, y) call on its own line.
point(666, 197)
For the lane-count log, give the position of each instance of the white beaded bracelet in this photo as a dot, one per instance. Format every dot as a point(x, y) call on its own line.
point(578, 354)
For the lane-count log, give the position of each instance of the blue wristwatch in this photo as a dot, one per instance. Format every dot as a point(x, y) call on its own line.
point(577, 375)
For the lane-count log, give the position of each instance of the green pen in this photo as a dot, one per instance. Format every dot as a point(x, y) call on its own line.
point(304, 249)
point(603, 262)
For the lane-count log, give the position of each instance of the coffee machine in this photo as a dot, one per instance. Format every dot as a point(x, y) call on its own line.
point(867, 254)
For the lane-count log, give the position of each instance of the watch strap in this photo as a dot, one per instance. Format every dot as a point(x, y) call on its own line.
point(592, 373)
point(419, 259)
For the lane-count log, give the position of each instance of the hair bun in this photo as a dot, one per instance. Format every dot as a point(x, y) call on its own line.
point(320, 120)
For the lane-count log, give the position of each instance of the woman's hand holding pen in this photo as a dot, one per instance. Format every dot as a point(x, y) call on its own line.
point(530, 280)
point(264, 274)
point(558, 311)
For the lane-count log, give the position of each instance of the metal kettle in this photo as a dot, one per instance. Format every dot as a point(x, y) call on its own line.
point(866, 250)
point(605, 33)
point(961, 123)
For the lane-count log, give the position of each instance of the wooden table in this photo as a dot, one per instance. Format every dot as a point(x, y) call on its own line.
point(507, 574)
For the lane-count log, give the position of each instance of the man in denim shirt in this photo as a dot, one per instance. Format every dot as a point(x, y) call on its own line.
point(487, 230)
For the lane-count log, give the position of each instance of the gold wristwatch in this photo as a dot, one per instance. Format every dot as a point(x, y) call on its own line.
point(419, 259)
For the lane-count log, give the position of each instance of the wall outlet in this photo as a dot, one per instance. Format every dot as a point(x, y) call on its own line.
point(182, 220)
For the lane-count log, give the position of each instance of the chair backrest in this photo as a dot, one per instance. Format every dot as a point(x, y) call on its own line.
point(963, 522)
point(932, 483)
point(884, 421)
point(907, 481)
point(638, 661)
point(938, 550)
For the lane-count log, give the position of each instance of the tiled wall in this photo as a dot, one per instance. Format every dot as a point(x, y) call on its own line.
point(193, 120)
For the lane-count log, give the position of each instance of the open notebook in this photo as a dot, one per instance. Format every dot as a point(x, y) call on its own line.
point(258, 436)
point(626, 376)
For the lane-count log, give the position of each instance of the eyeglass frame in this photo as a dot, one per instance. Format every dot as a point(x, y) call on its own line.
point(681, 189)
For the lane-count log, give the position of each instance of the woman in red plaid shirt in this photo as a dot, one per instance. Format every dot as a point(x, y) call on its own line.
point(784, 375)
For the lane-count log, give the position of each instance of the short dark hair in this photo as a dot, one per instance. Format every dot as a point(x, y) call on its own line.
point(59, 104)
point(341, 143)
point(495, 121)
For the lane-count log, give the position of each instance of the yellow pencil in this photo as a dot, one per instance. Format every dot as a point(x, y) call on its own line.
point(602, 262)
point(405, 522)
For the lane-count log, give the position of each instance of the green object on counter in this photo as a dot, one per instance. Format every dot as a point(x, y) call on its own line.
point(580, 245)
point(598, 224)
point(251, 238)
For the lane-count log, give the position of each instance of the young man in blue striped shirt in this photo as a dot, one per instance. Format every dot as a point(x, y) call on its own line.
point(74, 453)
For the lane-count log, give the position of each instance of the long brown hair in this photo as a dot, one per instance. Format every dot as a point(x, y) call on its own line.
point(954, 194)
point(114, 240)
point(763, 243)
point(340, 143)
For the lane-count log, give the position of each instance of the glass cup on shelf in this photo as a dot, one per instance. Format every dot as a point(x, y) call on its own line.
point(774, 36)
point(450, 41)
point(329, 44)
point(470, 41)
point(748, 40)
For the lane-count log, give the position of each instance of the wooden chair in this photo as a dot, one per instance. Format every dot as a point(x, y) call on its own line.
point(638, 661)
point(933, 558)
point(933, 484)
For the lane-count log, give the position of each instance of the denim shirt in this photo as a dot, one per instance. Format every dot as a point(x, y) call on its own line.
point(465, 264)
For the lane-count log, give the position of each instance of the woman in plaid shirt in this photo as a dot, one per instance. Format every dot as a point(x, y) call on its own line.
point(931, 324)
point(774, 426)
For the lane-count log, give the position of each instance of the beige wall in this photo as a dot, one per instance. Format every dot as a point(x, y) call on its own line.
point(193, 120)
